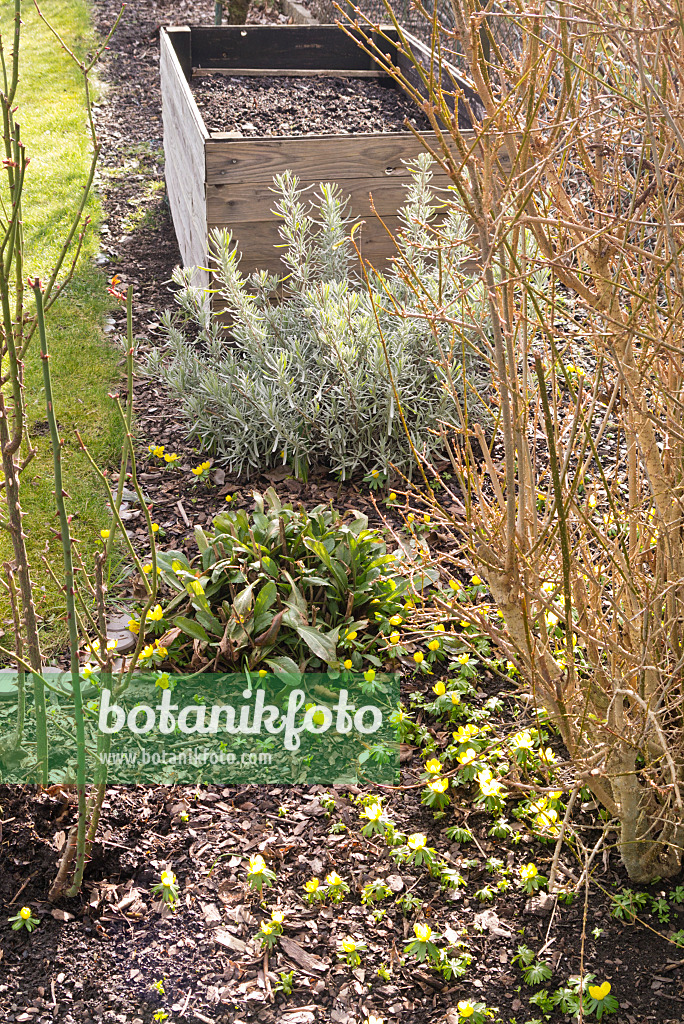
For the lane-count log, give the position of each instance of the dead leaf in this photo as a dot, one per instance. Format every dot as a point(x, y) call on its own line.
point(307, 961)
point(230, 941)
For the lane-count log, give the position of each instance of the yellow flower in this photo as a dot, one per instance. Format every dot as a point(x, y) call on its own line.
point(455, 698)
point(373, 812)
point(262, 673)
point(464, 623)
point(528, 871)
point(418, 657)
point(467, 756)
point(147, 569)
point(351, 636)
point(521, 741)
point(455, 585)
point(348, 945)
point(394, 638)
point(598, 992)
point(439, 785)
point(347, 664)
point(87, 671)
point(277, 916)
point(266, 928)
point(466, 1008)
point(257, 864)
point(593, 501)
point(318, 717)
point(374, 473)
point(463, 659)
point(333, 879)
point(426, 517)
point(433, 766)
point(438, 627)
point(155, 527)
point(417, 841)
point(168, 879)
point(422, 932)
point(161, 651)
point(133, 625)
point(392, 496)
point(476, 581)
point(410, 517)
point(205, 465)
point(434, 645)
point(369, 675)
point(439, 688)
point(229, 497)
point(396, 620)
point(171, 458)
point(311, 885)
point(488, 784)
point(25, 913)
point(157, 449)
point(197, 470)
point(104, 534)
point(162, 681)
point(156, 614)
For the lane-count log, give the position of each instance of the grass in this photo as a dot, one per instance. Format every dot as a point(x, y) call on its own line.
point(84, 364)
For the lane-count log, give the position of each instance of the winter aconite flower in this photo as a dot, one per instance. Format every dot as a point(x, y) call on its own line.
point(434, 645)
point(396, 620)
point(599, 992)
point(348, 664)
point(439, 785)
point(466, 1008)
point(419, 657)
point(258, 875)
point(417, 841)
point(439, 688)
point(423, 932)
point(433, 766)
point(394, 638)
point(528, 871)
point(156, 614)
point(463, 659)
point(104, 534)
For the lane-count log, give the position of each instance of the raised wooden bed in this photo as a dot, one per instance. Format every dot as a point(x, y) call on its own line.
point(223, 180)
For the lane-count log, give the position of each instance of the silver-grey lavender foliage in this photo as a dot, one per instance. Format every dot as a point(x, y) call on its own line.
point(306, 380)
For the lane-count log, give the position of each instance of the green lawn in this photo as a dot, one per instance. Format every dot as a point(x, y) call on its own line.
point(84, 364)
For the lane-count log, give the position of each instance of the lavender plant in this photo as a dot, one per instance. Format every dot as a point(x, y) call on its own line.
point(320, 376)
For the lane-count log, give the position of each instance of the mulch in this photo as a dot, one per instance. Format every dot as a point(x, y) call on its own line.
point(303, 106)
point(111, 956)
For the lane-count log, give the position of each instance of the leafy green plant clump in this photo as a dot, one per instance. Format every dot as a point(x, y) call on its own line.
point(282, 588)
point(319, 377)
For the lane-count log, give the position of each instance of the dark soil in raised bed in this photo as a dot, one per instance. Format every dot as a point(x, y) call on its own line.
point(303, 106)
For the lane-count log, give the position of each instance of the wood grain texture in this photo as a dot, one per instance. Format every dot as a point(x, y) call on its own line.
point(375, 73)
point(312, 157)
point(238, 204)
point(184, 144)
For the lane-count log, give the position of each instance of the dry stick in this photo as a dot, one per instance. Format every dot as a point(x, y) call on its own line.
point(70, 594)
point(564, 824)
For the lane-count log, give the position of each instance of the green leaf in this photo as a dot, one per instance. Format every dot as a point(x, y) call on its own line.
point(201, 539)
point(323, 645)
point(243, 601)
point(191, 627)
point(265, 598)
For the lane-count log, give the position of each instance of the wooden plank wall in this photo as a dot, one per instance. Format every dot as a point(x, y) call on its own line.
point(184, 156)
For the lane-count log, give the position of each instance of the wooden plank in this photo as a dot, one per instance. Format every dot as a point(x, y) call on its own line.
point(239, 204)
point(180, 37)
point(451, 80)
point(184, 141)
point(311, 157)
point(286, 73)
point(278, 46)
point(176, 83)
point(260, 241)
